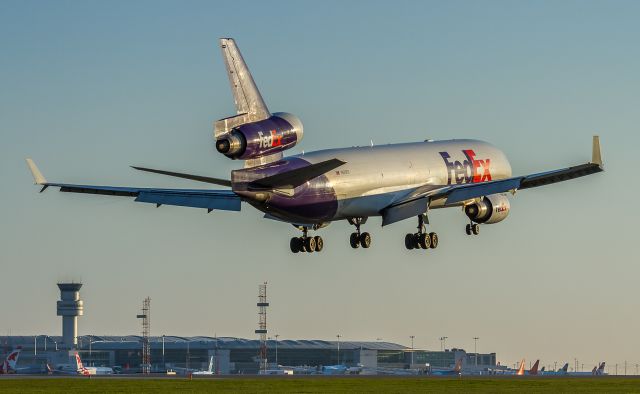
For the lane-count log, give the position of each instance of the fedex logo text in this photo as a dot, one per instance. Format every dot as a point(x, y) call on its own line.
point(270, 140)
point(471, 170)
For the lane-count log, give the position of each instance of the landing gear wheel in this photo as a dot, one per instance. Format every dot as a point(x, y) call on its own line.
point(319, 243)
point(475, 229)
point(408, 241)
point(434, 240)
point(467, 229)
point(424, 241)
point(295, 245)
point(416, 241)
point(310, 244)
point(303, 247)
point(365, 240)
point(354, 240)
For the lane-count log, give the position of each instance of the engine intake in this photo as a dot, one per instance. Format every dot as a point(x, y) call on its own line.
point(279, 132)
point(491, 209)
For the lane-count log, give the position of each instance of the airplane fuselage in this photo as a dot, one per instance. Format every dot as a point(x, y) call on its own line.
point(372, 178)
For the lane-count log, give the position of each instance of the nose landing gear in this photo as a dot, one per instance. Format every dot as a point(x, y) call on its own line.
point(421, 239)
point(472, 228)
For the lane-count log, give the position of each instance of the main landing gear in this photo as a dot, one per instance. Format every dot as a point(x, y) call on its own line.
point(472, 228)
point(306, 243)
point(358, 239)
point(421, 239)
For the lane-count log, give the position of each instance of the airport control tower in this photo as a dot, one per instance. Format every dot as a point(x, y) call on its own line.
point(70, 307)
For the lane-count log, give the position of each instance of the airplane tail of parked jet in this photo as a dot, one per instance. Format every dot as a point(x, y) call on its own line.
point(521, 368)
point(82, 370)
point(565, 368)
point(9, 364)
point(534, 369)
point(458, 366)
point(600, 370)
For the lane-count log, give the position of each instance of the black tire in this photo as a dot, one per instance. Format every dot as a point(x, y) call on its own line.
point(424, 240)
point(468, 229)
point(310, 244)
point(354, 240)
point(434, 240)
point(408, 241)
point(303, 247)
point(319, 243)
point(475, 229)
point(416, 241)
point(294, 244)
point(365, 240)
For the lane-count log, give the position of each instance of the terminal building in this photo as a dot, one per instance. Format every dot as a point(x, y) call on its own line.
point(230, 355)
point(237, 355)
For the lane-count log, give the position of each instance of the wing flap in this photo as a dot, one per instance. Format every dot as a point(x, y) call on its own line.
point(404, 211)
point(205, 199)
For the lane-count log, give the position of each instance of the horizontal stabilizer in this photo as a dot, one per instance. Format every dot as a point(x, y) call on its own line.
point(199, 178)
point(294, 178)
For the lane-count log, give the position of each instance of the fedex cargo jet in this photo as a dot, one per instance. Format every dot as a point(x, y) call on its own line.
point(313, 189)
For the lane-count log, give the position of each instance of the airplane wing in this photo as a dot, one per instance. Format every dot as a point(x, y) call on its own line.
point(417, 202)
point(225, 200)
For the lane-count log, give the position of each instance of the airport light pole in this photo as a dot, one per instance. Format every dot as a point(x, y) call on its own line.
point(412, 337)
point(475, 349)
point(277, 335)
point(443, 343)
point(338, 336)
point(163, 364)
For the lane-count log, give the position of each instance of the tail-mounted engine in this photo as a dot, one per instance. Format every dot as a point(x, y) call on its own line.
point(251, 140)
point(491, 209)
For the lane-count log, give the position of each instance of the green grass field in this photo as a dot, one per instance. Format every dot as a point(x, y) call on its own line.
point(324, 385)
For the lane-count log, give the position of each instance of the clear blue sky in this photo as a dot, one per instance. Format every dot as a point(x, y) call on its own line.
point(89, 88)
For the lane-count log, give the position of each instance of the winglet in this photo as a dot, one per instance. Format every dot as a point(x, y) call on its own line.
point(38, 178)
point(596, 157)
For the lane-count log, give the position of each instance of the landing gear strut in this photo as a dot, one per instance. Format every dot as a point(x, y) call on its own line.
point(358, 239)
point(306, 243)
point(421, 239)
point(472, 228)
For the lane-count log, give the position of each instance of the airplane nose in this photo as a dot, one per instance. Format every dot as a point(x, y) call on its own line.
point(223, 145)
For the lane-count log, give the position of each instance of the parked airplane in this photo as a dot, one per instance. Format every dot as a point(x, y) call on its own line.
point(79, 369)
point(313, 189)
point(457, 370)
point(600, 370)
point(9, 364)
point(341, 369)
point(208, 371)
point(520, 371)
point(534, 370)
point(194, 371)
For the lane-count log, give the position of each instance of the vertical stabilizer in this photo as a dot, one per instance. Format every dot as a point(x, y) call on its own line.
point(534, 369)
point(521, 369)
point(458, 366)
point(245, 92)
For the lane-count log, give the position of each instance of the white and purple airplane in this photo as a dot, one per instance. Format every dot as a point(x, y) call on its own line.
point(313, 189)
